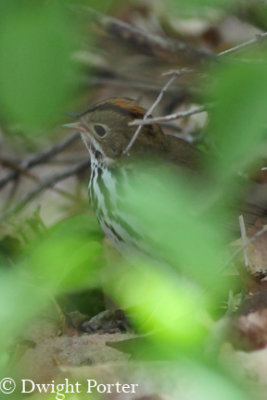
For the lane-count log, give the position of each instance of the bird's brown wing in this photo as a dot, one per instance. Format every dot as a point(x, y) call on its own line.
point(182, 153)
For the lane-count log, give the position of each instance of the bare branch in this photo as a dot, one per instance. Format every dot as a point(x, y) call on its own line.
point(168, 118)
point(174, 74)
point(17, 167)
point(45, 184)
point(40, 157)
point(35, 178)
point(52, 151)
point(257, 39)
point(249, 241)
point(159, 46)
point(244, 239)
point(177, 72)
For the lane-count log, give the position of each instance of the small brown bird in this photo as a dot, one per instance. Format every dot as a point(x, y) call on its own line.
point(106, 133)
point(105, 127)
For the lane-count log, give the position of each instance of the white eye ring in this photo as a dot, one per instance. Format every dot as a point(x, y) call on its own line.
point(100, 130)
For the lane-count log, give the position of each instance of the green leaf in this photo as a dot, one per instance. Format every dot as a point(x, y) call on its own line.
point(19, 301)
point(172, 228)
point(69, 256)
point(36, 70)
point(237, 124)
point(100, 6)
point(160, 300)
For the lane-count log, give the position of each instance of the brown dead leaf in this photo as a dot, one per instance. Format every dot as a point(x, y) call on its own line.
point(48, 357)
point(249, 328)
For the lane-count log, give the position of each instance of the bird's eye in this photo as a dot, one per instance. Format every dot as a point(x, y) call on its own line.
point(100, 130)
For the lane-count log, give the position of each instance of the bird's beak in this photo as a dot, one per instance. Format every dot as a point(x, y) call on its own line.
point(83, 129)
point(75, 126)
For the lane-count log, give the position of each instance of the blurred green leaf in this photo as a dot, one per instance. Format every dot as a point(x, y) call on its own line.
point(163, 302)
point(101, 6)
point(237, 124)
point(168, 215)
point(66, 258)
point(36, 70)
point(180, 276)
point(257, 14)
point(19, 301)
point(69, 256)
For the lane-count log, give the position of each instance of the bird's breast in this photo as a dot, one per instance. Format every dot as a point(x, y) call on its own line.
point(107, 195)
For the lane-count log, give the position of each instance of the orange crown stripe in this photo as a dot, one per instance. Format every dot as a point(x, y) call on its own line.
point(128, 105)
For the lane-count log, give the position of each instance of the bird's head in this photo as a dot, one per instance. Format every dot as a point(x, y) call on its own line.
point(106, 131)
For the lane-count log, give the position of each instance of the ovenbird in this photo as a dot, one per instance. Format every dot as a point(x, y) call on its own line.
point(106, 133)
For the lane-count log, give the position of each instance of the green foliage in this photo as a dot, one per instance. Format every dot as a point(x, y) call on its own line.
point(36, 70)
point(257, 13)
point(192, 246)
point(162, 302)
point(173, 292)
point(38, 74)
point(237, 125)
point(68, 257)
point(20, 300)
point(189, 242)
point(101, 6)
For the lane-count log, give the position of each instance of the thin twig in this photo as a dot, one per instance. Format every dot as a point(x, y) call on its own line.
point(249, 241)
point(35, 178)
point(16, 168)
point(244, 239)
point(257, 39)
point(52, 151)
point(178, 115)
point(41, 157)
point(159, 46)
point(175, 74)
point(168, 118)
point(44, 184)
